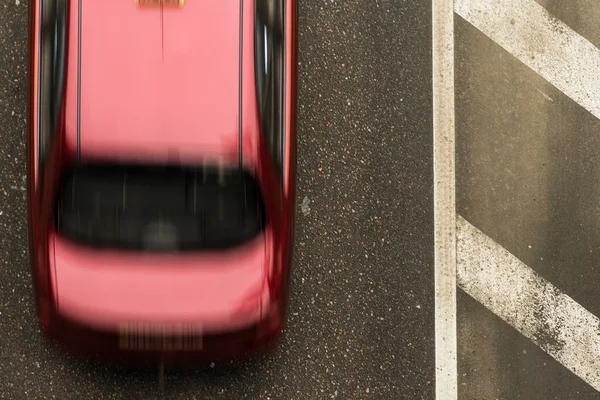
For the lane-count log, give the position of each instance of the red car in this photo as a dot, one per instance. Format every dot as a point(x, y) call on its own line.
point(161, 166)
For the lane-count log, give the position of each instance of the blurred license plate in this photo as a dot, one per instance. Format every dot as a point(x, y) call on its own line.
point(160, 337)
point(159, 3)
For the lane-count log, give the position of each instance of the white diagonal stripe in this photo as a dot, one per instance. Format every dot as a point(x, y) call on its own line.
point(528, 302)
point(543, 43)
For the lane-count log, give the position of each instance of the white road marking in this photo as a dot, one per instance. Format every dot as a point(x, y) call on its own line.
point(529, 303)
point(543, 43)
point(444, 199)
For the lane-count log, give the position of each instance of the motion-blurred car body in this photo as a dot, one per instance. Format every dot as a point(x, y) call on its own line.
point(161, 167)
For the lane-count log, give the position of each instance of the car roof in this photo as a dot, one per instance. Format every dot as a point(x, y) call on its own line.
point(159, 83)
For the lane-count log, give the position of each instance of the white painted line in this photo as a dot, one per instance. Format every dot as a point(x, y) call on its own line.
point(543, 43)
point(529, 303)
point(444, 199)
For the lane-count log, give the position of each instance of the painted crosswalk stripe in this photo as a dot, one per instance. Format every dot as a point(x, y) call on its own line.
point(535, 307)
point(545, 44)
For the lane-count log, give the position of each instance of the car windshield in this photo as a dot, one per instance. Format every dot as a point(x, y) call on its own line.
point(159, 208)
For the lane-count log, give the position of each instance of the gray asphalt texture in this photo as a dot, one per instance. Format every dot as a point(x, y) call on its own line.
point(528, 169)
point(361, 317)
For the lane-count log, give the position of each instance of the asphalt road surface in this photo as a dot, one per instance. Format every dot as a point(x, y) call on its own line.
point(361, 319)
point(527, 176)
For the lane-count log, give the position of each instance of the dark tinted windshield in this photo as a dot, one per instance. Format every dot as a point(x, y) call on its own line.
point(159, 208)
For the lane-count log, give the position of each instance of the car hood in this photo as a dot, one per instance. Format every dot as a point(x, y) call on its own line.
point(103, 289)
point(154, 81)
